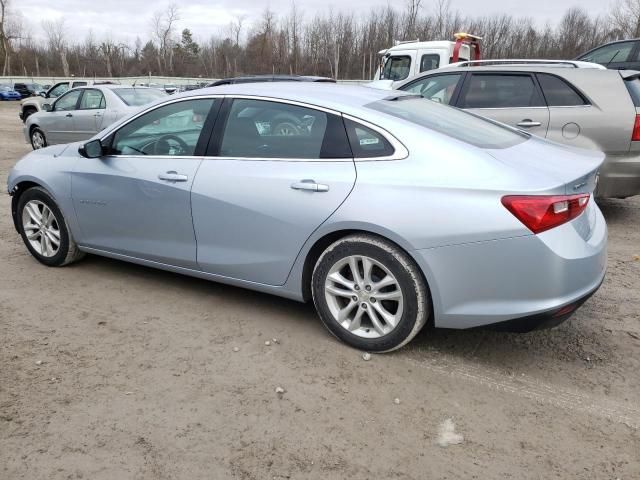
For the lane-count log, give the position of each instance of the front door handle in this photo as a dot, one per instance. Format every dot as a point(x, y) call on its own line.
point(310, 185)
point(173, 176)
point(69, 115)
point(528, 123)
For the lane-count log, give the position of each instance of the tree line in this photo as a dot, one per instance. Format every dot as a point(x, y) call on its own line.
point(334, 44)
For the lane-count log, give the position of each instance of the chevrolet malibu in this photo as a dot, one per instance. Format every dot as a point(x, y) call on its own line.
point(388, 211)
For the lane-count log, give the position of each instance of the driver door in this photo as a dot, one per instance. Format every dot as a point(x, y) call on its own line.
point(58, 123)
point(136, 199)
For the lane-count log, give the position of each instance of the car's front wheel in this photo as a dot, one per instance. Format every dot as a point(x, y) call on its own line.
point(44, 229)
point(38, 140)
point(369, 293)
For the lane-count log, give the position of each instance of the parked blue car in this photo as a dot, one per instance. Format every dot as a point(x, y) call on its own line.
point(8, 93)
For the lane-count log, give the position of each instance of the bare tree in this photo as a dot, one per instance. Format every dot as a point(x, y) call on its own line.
point(56, 36)
point(163, 25)
point(625, 18)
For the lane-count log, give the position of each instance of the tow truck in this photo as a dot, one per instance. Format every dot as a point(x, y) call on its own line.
point(409, 58)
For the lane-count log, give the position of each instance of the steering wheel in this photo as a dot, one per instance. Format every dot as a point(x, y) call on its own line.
point(162, 145)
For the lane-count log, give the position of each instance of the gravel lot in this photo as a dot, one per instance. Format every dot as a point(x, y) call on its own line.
point(139, 379)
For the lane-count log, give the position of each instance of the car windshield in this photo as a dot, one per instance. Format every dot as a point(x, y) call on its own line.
point(5, 88)
point(463, 126)
point(135, 97)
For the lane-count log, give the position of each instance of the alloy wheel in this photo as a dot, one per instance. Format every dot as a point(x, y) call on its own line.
point(363, 296)
point(37, 140)
point(41, 228)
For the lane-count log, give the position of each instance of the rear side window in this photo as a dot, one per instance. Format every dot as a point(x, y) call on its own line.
point(633, 86)
point(79, 84)
point(501, 91)
point(366, 142)
point(558, 92)
point(429, 61)
point(265, 129)
point(92, 100)
point(396, 68)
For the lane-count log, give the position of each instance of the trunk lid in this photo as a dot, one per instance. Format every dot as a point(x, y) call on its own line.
point(566, 170)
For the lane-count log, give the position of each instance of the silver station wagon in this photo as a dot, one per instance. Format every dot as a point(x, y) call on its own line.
point(591, 108)
point(388, 211)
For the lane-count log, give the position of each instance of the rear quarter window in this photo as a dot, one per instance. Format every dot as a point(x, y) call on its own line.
point(559, 93)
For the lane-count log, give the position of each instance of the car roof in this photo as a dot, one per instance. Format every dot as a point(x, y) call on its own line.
point(268, 77)
point(342, 98)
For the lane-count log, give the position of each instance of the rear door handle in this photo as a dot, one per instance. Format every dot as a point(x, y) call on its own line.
point(527, 123)
point(173, 176)
point(68, 115)
point(310, 185)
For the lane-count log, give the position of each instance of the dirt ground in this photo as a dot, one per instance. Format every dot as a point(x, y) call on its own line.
point(115, 371)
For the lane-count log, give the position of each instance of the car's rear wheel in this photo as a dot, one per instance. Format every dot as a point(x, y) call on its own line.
point(369, 293)
point(38, 140)
point(44, 229)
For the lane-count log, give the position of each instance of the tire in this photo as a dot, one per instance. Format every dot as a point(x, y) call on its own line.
point(66, 251)
point(38, 139)
point(26, 113)
point(406, 295)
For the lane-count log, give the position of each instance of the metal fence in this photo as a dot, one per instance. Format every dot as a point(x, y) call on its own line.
point(129, 80)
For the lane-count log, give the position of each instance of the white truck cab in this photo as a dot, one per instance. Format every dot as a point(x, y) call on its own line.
point(407, 59)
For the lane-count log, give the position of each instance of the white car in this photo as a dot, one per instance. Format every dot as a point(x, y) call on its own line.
point(82, 112)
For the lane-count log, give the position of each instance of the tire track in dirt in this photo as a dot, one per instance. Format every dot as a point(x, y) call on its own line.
point(536, 390)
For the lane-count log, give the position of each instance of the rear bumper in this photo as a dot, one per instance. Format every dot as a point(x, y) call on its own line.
point(536, 276)
point(540, 321)
point(620, 176)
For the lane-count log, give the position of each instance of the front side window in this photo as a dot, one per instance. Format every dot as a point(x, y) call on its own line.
point(438, 88)
point(396, 68)
point(616, 52)
point(559, 93)
point(264, 129)
point(429, 61)
point(59, 90)
point(452, 122)
point(501, 91)
point(170, 130)
point(67, 102)
point(92, 100)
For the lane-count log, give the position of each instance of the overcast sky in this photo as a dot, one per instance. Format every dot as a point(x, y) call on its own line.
point(123, 20)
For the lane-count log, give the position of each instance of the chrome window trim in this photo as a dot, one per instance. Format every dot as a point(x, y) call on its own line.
point(505, 108)
point(400, 151)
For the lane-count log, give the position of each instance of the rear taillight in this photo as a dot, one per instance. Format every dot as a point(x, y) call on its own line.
point(543, 212)
point(635, 136)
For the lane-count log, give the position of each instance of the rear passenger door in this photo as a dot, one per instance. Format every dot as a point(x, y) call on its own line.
point(511, 98)
point(274, 172)
point(88, 118)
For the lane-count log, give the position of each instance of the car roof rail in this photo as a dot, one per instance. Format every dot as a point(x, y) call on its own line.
point(517, 61)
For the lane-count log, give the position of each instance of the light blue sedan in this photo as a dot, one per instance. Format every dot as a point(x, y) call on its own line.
point(388, 211)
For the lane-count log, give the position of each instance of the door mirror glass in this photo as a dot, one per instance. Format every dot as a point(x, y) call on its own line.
point(46, 107)
point(92, 149)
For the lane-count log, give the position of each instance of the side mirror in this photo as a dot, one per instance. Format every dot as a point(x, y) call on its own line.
point(43, 94)
point(92, 149)
point(46, 107)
